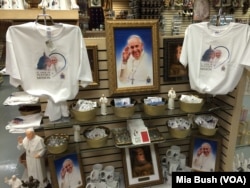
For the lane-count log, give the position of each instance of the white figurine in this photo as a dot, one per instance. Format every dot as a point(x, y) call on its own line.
point(103, 100)
point(35, 149)
point(171, 97)
point(74, 5)
point(18, 4)
point(54, 5)
point(6, 4)
point(68, 5)
point(14, 182)
point(59, 4)
point(43, 4)
point(77, 129)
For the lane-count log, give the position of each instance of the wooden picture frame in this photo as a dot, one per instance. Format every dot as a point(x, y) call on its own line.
point(174, 71)
point(138, 75)
point(95, 3)
point(93, 57)
point(137, 177)
point(200, 157)
point(56, 165)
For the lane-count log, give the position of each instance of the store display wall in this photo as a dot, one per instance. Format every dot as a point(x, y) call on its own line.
point(111, 155)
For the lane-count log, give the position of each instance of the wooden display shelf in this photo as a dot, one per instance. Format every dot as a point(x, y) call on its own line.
point(31, 14)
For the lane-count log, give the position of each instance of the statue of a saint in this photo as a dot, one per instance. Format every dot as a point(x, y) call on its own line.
point(171, 98)
point(103, 101)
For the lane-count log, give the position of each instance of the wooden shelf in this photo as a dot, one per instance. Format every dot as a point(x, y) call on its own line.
point(31, 14)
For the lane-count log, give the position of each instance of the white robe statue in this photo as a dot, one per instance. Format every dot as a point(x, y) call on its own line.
point(171, 97)
point(35, 149)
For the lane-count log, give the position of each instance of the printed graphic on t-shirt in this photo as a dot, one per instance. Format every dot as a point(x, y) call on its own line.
point(215, 58)
point(51, 65)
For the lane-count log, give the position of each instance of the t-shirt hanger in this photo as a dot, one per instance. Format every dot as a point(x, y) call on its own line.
point(221, 19)
point(45, 16)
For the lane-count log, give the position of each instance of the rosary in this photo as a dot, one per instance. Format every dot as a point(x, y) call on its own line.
point(29, 145)
point(133, 71)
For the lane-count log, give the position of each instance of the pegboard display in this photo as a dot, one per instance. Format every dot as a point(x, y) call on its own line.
point(146, 9)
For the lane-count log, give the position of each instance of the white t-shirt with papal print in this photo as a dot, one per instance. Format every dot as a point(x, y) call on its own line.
point(215, 56)
point(47, 60)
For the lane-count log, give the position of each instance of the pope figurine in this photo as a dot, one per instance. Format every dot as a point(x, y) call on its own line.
point(103, 101)
point(171, 97)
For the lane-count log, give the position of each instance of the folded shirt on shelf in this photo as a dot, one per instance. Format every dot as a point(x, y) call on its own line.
point(21, 123)
point(21, 97)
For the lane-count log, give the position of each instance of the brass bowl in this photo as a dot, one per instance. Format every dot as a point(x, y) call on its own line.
point(33, 3)
point(99, 142)
point(83, 115)
point(57, 148)
point(124, 112)
point(153, 110)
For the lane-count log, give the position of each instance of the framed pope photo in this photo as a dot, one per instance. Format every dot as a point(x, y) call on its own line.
point(95, 3)
point(141, 166)
point(66, 170)
point(205, 153)
point(174, 71)
point(133, 60)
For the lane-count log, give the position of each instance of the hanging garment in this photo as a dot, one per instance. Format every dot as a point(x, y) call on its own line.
point(47, 60)
point(215, 56)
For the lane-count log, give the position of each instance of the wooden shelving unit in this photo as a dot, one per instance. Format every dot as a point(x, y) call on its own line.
point(17, 16)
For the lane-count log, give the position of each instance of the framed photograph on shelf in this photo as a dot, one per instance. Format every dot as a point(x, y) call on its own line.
point(205, 153)
point(93, 57)
point(141, 166)
point(66, 170)
point(133, 58)
point(95, 3)
point(174, 71)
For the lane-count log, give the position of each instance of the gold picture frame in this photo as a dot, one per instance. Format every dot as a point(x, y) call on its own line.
point(142, 75)
point(134, 175)
point(56, 166)
point(92, 51)
point(202, 159)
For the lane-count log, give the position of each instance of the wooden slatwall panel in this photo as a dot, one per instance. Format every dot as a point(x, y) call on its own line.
point(120, 5)
point(110, 155)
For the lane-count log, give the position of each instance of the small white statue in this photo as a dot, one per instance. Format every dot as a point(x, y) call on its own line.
point(18, 4)
point(171, 97)
point(59, 4)
point(14, 182)
point(6, 4)
point(77, 129)
point(103, 101)
point(68, 5)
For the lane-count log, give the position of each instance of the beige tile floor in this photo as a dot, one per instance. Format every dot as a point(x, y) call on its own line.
point(9, 154)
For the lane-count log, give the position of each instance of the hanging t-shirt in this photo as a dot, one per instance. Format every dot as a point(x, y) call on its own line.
point(47, 60)
point(215, 56)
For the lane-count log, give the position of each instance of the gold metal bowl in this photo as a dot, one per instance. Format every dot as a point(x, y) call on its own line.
point(98, 142)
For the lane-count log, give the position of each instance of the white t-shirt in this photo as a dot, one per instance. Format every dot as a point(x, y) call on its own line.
point(47, 60)
point(215, 56)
